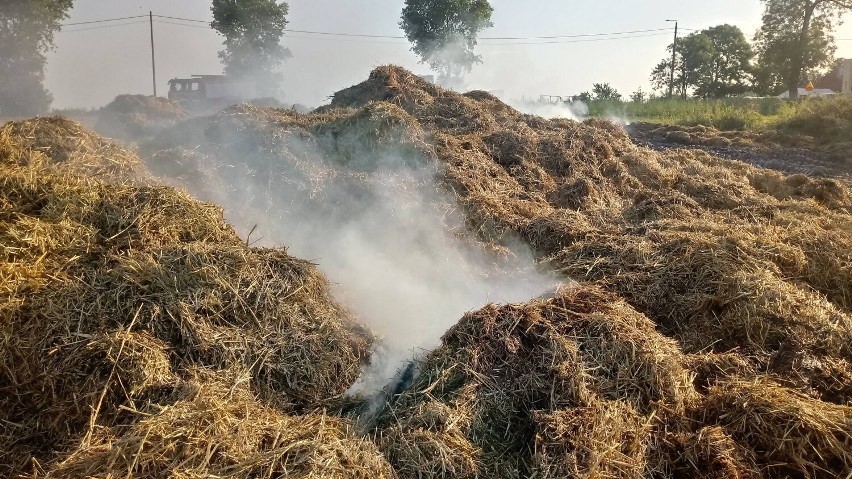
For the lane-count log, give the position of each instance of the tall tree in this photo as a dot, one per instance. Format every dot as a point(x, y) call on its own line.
point(713, 63)
point(728, 70)
point(795, 40)
point(252, 31)
point(443, 32)
point(26, 35)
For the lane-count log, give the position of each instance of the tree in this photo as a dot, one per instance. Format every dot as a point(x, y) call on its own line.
point(713, 63)
point(638, 96)
point(693, 51)
point(605, 92)
point(795, 40)
point(252, 31)
point(443, 33)
point(661, 76)
point(728, 70)
point(26, 35)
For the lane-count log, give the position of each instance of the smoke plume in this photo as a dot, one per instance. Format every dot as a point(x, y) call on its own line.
point(377, 222)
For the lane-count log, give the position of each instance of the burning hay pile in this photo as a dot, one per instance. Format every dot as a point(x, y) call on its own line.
point(709, 337)
point(141, 337)
point(747, 270)
point(712, 339)
point(583, 385)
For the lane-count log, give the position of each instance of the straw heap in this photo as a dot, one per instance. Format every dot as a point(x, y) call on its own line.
point(730, 275)
point(135, 320)
point(709, 337)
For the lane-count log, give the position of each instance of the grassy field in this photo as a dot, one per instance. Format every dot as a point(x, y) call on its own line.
point(828, 120)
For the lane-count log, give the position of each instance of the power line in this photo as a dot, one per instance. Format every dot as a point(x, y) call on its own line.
point(372, 42)
point(299, 37)
point(350, 40)
point(182, 24)
point(103, 26)
point(399, 37)
point(555, 39)
point(494, 44)
point(590, 37)
point(346, 34)
point(550, 37)
point(588, 40)
point(102, 21)
point(184, 19)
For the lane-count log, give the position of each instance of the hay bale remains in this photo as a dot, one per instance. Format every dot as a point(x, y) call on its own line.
point(711, 453)
point(793, 434)
point(65, 146)
point(608, 439)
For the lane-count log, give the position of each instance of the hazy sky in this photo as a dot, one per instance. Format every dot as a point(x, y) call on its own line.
point(91, 65)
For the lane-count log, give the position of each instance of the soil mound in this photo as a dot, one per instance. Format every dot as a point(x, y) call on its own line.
point(142, 337)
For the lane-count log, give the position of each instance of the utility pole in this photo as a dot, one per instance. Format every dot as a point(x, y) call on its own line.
point(153, 62)
point(674, 58)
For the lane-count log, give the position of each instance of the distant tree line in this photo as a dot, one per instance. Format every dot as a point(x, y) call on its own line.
point(794, 42)
point(712, 63)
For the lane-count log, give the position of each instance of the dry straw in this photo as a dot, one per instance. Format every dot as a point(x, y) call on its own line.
point(710, 337)
point(117, 298)
point(745, 269)
point(714, 271)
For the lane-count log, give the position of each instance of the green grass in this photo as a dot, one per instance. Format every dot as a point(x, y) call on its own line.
point(725, 114)
point(828, 120)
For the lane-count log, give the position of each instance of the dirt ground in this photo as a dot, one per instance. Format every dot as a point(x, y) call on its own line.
point(755, 149)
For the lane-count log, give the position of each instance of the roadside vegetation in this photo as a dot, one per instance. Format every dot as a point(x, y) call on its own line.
point(828, 120)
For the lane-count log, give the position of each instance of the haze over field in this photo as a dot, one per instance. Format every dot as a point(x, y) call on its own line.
point(82, 71)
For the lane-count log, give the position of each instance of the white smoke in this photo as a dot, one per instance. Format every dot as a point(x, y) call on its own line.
point(576, 110)
point(389, 238)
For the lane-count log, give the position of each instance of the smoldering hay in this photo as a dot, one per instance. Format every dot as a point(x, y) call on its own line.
point(708, 335)
point(141, 337)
